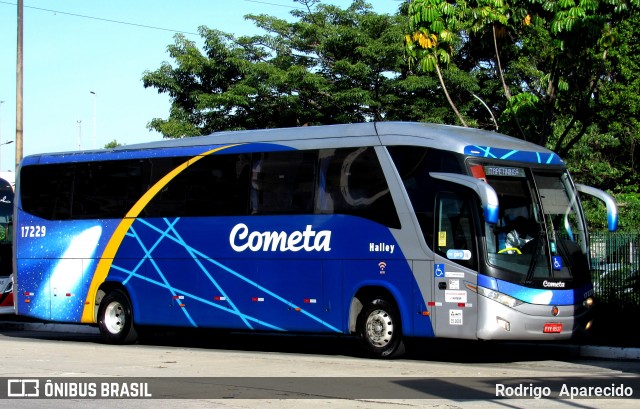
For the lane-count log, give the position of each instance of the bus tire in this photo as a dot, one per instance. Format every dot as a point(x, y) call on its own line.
point(380, 330)
point(115, 318)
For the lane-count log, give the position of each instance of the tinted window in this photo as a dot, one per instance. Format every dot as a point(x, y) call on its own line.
point(341, 181)
point(46, 190)
point(352, 182)
point(101, 189)
point(282, 182)
point(215, 185)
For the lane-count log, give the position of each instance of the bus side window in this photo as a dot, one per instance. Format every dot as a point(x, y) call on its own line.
point(414, 163)
point(454, 229)
point(282, 182)
point(100, 190)
point(352, 182)
point(215, 185)
point(40, 197)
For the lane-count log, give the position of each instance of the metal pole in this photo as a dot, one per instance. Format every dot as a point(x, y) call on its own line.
point(79, 135)
point(19, 69)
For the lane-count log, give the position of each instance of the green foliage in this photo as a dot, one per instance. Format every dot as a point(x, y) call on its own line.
point(329, 66)
point(112, 144)
point(560, 73)
point(434, 35)
point(628, 212)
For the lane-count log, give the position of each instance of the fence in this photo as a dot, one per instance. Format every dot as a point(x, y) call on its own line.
point(615, 267)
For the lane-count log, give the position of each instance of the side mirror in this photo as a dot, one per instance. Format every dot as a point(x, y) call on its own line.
point(488, 196)
point(609, 201)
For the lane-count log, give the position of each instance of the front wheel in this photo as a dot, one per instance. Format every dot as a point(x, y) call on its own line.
point(380, 330)
point(115, 318)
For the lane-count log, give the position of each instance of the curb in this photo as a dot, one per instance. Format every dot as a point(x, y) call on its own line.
point(586, 351)
point(592, 351)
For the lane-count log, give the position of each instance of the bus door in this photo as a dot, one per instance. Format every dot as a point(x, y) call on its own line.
point(455, 313)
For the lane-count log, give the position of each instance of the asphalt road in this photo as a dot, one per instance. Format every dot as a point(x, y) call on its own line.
point(208, 369)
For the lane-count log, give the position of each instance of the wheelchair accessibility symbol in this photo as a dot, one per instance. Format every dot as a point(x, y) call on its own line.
point(557, 263)
point(438, 270)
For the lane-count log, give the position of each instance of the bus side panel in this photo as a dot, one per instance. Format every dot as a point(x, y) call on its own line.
point(292, 293)
point(393, 275)
point(240, 294)
point(228, 283)
point(68, 286)
point(53, 289)
point(56, 261)
point(217, 284)
point(422, 295)
point(455, 292)
point(33, 297)
point(334, 313)
point(170, 287)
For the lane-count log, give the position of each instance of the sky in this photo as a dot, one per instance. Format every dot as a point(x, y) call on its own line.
point(84, 61)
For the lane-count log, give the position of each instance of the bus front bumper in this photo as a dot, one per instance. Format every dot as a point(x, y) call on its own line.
point(531, 322)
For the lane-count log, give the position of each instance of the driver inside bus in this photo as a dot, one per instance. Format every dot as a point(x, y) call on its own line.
point(519, 235)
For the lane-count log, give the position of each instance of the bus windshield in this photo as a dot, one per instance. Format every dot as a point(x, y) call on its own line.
point(541, 233)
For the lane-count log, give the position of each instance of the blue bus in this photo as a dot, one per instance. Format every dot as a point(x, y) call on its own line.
point(380, 230)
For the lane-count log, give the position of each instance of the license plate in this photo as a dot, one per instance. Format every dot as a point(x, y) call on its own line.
point(552, 328)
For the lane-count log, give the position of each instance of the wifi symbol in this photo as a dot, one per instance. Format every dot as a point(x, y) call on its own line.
point(382, 265)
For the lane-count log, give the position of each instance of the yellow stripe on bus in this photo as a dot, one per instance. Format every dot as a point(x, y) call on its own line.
point(104, 265)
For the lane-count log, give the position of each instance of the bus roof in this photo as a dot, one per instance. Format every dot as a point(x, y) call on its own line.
point(468, 141)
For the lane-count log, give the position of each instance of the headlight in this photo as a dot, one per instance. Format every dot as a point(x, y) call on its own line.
point(499, 297)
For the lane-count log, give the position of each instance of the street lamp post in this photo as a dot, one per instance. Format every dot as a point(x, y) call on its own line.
point(95, 117)
point(79, 134)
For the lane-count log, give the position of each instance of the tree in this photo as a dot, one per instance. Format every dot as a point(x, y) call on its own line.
point(112, 144)
point(433, 32)
point(609, 156)
point(549, 70)
point(328, 66)
point(551, 59)
point(560, 73)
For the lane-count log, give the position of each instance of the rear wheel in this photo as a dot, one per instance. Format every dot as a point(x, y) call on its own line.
point(115, 318)
point(380, 330)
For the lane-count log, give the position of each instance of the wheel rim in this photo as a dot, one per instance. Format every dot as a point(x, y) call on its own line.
point(379, 328)
point(114, 318)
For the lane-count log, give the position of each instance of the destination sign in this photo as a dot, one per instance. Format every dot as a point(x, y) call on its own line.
point(504, 171)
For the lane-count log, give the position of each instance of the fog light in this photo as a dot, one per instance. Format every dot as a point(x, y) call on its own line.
point(588, 326)
point(504, 324)
point(588, 302)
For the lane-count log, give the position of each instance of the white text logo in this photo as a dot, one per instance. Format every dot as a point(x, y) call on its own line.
point(242, 239)
point(558, 284)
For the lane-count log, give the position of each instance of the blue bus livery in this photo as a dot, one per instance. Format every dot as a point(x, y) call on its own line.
point(379, 230)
